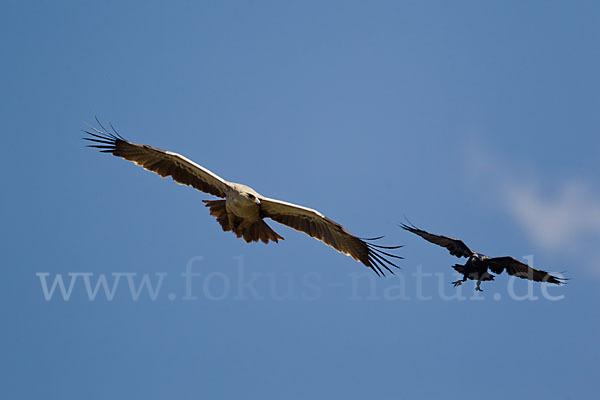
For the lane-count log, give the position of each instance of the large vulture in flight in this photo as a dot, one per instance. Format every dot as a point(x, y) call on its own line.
point(477, 264)
point(243, 209)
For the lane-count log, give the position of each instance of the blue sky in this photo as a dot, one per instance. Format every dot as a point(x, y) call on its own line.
point(473, 119)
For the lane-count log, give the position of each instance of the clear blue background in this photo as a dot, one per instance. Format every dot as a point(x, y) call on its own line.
point(473, 119)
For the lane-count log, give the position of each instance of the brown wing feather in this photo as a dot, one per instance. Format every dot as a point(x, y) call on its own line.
point(162, 162)
point(517, 268)
point(456, 247)
point(329, 232)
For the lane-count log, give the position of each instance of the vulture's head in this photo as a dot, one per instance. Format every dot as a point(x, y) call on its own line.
point(252, 197)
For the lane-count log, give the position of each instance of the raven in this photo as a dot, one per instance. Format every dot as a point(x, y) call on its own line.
point(477, 265)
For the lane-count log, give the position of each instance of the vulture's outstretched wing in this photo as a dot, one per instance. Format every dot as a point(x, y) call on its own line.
point(521, 270)
point(456, 247)
point(164, 163)
point(329, 232)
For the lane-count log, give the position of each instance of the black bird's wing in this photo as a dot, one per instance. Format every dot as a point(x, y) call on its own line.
point(517, 268)
point(456, 247)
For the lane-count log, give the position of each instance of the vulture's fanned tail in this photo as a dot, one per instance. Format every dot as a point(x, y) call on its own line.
point(258, 231)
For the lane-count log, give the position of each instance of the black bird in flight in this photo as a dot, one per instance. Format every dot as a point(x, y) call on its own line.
point(477, 264)
point(243, 209)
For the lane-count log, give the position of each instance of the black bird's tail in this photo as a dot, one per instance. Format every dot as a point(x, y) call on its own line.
point(459, 268)
point(473, 275)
